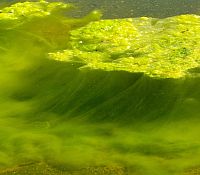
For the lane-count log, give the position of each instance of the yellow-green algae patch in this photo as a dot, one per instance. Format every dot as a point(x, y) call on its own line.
point(43, 21)
point(19, 13)
point(163, 48)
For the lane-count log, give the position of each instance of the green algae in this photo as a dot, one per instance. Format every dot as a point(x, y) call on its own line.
point(21, 13)
point(93, 108)
point(162, 48)
point(44, 169)
point(27, 20)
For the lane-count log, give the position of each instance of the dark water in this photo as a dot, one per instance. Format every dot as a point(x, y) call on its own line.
point(135, 8)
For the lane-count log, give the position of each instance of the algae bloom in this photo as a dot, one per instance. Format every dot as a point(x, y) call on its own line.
point(165, 48)
point(91, 96)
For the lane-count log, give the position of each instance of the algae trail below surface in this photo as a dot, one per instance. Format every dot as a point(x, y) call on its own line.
point(91, 96)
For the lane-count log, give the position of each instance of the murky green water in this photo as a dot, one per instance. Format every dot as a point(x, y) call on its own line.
point(122, 94)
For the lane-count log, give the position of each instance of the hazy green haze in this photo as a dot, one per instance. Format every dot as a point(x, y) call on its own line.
point(71, 112)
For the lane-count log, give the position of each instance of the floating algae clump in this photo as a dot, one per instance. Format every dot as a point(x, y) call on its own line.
point(22, 13)
point(41, 21)
point(165, 48)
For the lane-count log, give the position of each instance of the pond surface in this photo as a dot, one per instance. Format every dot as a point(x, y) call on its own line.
point(135, 8)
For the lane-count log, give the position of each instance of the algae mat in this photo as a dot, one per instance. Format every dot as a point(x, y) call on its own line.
point(117, 94)
point(44, 169)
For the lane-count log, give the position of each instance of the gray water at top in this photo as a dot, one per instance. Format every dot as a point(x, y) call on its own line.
point(134, 8)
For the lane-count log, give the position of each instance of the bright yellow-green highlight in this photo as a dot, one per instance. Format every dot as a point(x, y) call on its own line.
point(165, 48)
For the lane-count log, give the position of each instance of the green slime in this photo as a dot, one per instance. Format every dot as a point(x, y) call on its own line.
point(121, 92)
